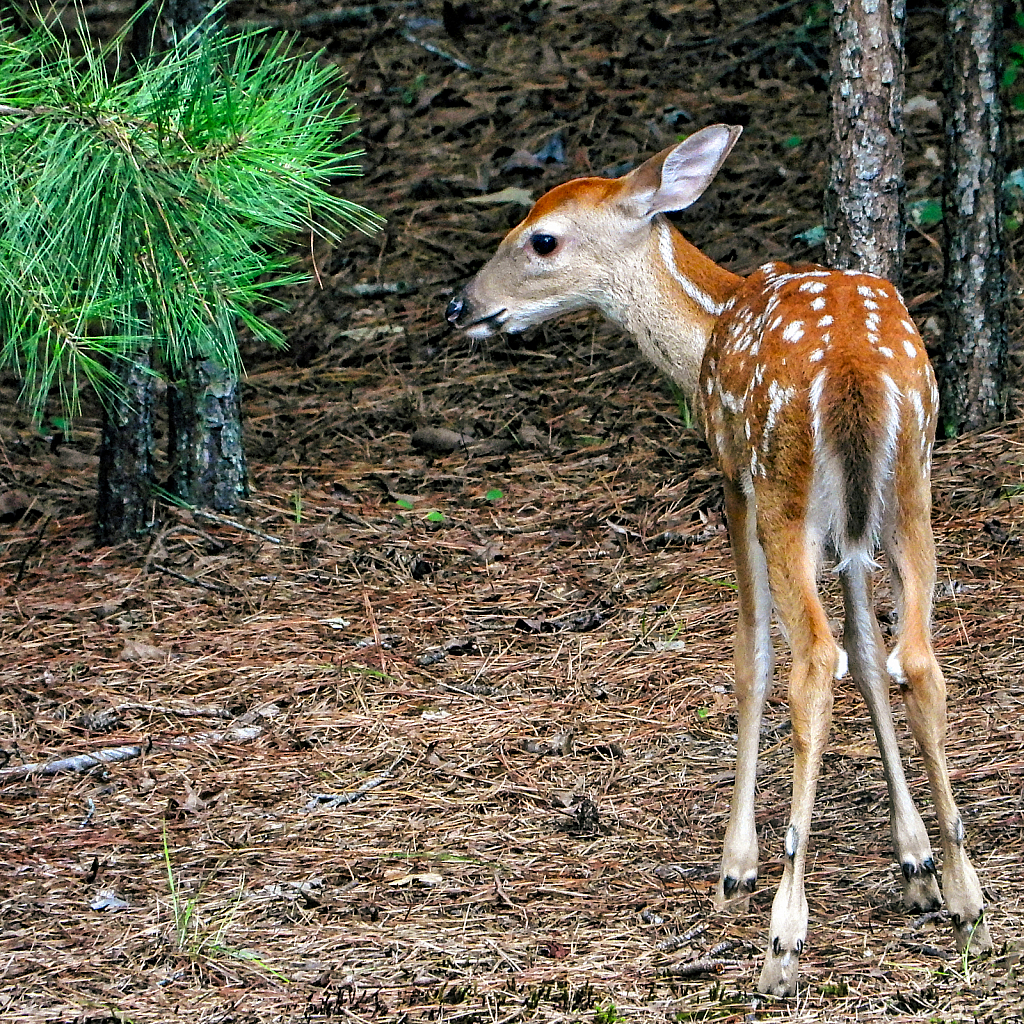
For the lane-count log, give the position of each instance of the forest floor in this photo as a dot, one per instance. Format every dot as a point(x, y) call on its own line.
point(511, 662)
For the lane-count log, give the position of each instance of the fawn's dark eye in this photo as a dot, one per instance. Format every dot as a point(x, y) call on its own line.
point(543, 245)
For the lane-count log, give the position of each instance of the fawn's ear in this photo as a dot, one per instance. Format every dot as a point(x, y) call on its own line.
point(677, 177)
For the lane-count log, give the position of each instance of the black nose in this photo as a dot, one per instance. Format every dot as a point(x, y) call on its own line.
point(455, 308)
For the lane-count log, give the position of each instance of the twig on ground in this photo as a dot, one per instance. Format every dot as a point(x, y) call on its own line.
point(210, 711)
point(239, 734)
point(341, 799)
point(444, 55)
point(706, 965)
point(78, 763)
point(674, 942)
point(225, 521)
point(216, 587)
point(374, 290)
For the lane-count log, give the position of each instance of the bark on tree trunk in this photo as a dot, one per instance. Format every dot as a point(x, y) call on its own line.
point(864, 217)
point(205, 437)
point(126, 455)
point(972, 362)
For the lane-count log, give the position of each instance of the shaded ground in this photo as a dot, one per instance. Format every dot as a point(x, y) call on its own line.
point(523, 698)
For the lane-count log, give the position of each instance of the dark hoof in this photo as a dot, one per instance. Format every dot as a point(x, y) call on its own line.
point(912, 870)
point(735, 887)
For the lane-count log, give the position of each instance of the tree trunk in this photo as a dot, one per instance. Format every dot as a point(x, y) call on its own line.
point(972, 362)
point(864, 217)
point(204, 407)
point(205, 437)
point(126, 454)
point(160, 23)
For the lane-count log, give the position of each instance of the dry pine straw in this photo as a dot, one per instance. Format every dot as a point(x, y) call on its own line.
point(541, 812)
point(516, 862)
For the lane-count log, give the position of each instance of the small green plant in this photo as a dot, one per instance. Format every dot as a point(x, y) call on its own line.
point(966, 954)
point(607, 1015)
point(494, 495)
point(682, 406)
point(189, 937)
point(1014, 65)
point(1013, 191)
point(727, 584)
point(812, 236)
point(433, 516)
point(183, 912)
point(925, 213)
point(296, 497)
point(412, 91)
point(835, 988)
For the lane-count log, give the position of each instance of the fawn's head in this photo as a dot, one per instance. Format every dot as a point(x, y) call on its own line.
point(571, 250)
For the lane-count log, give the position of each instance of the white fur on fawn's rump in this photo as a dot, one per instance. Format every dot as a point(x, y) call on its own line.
point(819, 404)
point(842, 665)
point(893, 666)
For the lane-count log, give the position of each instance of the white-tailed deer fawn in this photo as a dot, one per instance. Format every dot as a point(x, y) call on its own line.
point(818, 400)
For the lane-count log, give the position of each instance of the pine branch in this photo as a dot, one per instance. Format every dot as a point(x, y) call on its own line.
point(156, 210)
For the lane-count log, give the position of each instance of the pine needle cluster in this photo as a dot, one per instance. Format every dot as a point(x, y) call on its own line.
point(156, 209)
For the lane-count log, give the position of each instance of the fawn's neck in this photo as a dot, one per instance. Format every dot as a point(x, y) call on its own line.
point(670, 300)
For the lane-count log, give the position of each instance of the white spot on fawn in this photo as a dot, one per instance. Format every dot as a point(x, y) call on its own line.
point(794, 331)
point(869, 303)
point(863, 289)
point(910, 348)
point(730, 401)
point(826, 321)
point(817, 387)
point(816, 356)
point(778, 397)
point(818, 304)
point(887, 352)
point(892, 422)
point(918, 404)
point(814, 287)
point(908, 327)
